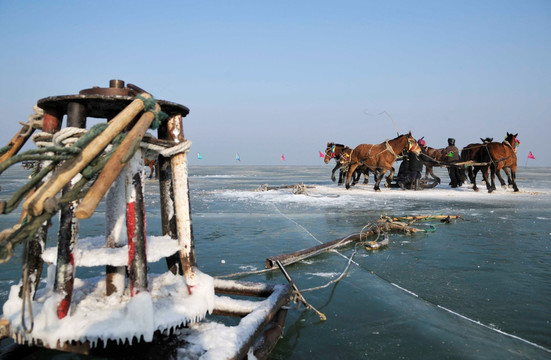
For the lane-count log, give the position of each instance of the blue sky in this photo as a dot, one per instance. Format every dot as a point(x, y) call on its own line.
point(265, 78)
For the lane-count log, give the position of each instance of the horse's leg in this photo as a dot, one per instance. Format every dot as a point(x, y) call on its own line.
point(379, 178)
point(351, 170)
point(390, 177)
point(335, 169)
point(472, 176)
point(356, 177)
point(150, 171)
point(490, 183)
point(342, 174)
point(514, 177)
point(509, 180)
point(366, 175)
point(500, 178)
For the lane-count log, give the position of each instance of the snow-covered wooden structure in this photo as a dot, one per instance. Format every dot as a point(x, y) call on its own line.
point(126, 305)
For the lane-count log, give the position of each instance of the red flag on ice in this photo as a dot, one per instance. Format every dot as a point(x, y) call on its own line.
point(531, 156)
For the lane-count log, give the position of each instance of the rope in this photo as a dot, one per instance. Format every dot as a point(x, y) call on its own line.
point(177, 149)
point(31, 224)
point(42, 139)
point(5, 149)
point(350, 261)
point(67, 136)
point(26, 293)
point(149, 105)
point(389, 148)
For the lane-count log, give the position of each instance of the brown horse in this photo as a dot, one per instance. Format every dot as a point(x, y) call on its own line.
point(435, 155)
point(501, 156)
point(379, 157)
point(471, 152)
point(362, 169)
point(152, 168)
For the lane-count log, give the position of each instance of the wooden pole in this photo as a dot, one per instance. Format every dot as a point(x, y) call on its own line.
point(425, 217)
point(297, 291)
point(383, 225)
point(172, 131)
point(68, 227)
point(115, 232)
point(51, 124)
point(135, 225)
point(17, 143)
point(290, 258)
point(35, 204)
point(180, 185)
point(114, 166)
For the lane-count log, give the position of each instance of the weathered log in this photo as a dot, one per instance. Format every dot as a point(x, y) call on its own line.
point(287, 259)
point(425, 217)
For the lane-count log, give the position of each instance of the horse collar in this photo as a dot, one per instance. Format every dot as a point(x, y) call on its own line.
point(389, 148)
point(511, 146)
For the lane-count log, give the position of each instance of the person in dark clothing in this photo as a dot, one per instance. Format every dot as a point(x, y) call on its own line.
point(451, 155)
point(414, 166)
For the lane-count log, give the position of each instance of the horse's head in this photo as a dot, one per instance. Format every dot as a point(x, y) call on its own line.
point(512, 140)
point(346, 155)
point(405, 141)
point(487, 140)
point(332, 151)
point(412, 144)
point(329, 152)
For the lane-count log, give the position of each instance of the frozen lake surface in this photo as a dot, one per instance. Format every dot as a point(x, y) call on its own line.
point(479, 287)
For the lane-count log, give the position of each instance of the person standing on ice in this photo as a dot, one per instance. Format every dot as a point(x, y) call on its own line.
point(451, 155)
point(415, 166)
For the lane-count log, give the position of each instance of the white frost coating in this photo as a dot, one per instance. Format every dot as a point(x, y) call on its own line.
point(212, 341)
point(242, 285)
point(134, 166)
point(180, 185)
point(97, 317)
point(115, 214)
point(93, 252)
point(226, 303)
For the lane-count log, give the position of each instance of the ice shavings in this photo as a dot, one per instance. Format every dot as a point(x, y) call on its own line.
point(216, 341)
point(91, 251)
point(94, 316)
point(324, 274)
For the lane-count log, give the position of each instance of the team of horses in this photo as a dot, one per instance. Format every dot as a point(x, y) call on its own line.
point(487, 157)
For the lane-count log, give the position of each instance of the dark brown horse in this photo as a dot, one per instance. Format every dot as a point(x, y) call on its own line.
point(501, 156)
point(435, 155)
point(333, 151)
point(152, 167)
point(379, 157)
point(469, 153)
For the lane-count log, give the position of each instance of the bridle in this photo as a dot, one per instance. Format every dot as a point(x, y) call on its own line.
point(514, 141)
point(331, 152)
